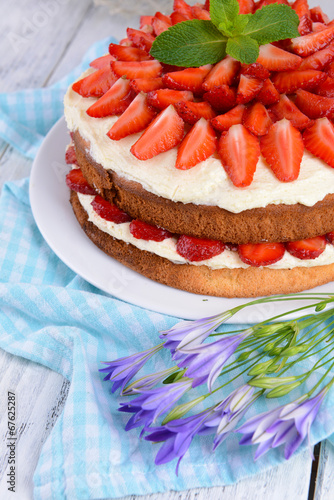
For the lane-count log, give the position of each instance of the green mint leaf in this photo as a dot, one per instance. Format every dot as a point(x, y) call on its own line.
point(190, 44)
point(240, 24)
point(223, 14)
point(243, 48)
point(272, 23)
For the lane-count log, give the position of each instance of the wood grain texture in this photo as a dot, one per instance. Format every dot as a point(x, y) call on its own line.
point(42, 55)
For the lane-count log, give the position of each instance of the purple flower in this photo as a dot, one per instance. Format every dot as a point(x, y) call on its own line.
point(220, 419)
point(122, 370)
point(178, 435)
point(152, 403)
point(188, 334)
point(147, 382)
point(205, 362)
point(288, 424)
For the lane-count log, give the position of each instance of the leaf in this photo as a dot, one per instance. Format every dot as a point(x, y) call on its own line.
point(240, 24)
point(243, 48)
point(223, 13)
point(272, 23)
point(191, 43)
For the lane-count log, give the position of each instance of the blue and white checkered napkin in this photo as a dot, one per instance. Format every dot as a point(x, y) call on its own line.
point(53, 317)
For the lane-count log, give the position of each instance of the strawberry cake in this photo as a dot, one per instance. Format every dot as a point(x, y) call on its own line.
point(217, 179)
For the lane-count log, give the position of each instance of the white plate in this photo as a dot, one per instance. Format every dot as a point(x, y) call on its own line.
point(49, 197)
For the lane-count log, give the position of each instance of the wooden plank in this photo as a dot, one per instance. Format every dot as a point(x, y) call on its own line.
point(40, 395)
point(324, 486)
point(97, 25)
point(36, 36)
point(13, 166)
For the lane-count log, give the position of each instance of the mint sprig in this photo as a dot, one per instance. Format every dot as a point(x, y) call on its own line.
point(195, 43)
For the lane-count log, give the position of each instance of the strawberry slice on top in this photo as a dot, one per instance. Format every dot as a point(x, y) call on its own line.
point(261, 254)
point(310, 248)
point(113, 102)
point(232, 117)
point(256, 119)
point(275, 59)
point(134, 119)
point(122, 53)
point(140, 39)
point(137, 69)
point(286, 108)
point(288, 82)
point(239, 151)
point(283, 150)
point(314, 106)
point(223, 73)
point(162, 98)
point(248, 89)
point(308, 44)
point(197, 146)
point(187, 79)
point(102, 62)
point(146, 84)
point(319, 140)
point(191, 112)
point(164, 133)
point(96, 84)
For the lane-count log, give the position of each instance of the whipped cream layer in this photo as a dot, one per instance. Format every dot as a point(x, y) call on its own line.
point(205, 184)
point(167, 248)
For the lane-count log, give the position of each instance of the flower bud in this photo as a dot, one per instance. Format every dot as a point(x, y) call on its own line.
point(270, 382)
point(260, 368)
point(282, 390)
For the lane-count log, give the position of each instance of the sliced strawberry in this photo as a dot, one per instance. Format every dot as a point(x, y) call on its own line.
point(162, 98)
point(191, 112)
point(222, 98)
point(144, 231)
point(76, 181)
point(330, 237)
point(268, 94)
point(330, 70)
point(318, 16)
point(160, 26)
point(197, 146)
point(197, 249)
point(256, 119)
point(145, 20)
point(96, 84)
point(248, 89)
point(307, 249)
point(319, 140)
point(122, 53)
point(289, 81)
point(134, 119)
point(246, 6)
point(199, 12)
point(320, 59)
point(326, 88)
point(308, 44)
point(314, 106)
point(163, 17)
point(316, 27)
point(261, 254)
point(183, 8)
point(207, 5)
point(140, 39)
point(276, 59)
point(146, 84)
point(255, 70)
point(125, 42)
point(137, 69)
point(285, 108)
point(239, 151)
point(283, 150)
point(187, 79)
point(232, 117)
point(164, 133)
point(223, 73)
point(102, 62)
point(305, 25)
point(114, 102)
point(109, 211)
point(301, 8)
point(177, 17)
point(71, 156)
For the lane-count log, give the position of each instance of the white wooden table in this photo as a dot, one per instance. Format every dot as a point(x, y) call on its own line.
point(41, 42)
